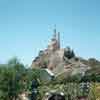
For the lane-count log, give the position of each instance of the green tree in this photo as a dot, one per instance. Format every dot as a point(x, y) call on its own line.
point(11, 83)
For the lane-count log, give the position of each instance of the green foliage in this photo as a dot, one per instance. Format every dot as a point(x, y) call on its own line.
point(68, 53)
point(10, 80)
point(15, 79)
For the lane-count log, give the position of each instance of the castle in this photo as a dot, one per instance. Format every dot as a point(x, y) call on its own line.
point(57, 59)
point(49, 56)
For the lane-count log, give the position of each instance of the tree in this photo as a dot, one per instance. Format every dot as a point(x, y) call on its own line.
point(69, 53)
point(11, 83)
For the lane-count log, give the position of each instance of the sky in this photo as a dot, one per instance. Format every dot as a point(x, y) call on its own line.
point(26, 26)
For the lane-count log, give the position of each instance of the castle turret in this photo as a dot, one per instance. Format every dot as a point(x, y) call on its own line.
point(58, 36)
point(55, 41)
point(55, 34)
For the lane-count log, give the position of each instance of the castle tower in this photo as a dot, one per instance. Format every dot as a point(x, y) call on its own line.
point(55, 41)
point(55, 34)
point(58, 39)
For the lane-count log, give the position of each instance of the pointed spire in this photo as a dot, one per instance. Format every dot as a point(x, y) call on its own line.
point(55, 34)
point(54, 29)
point(55, 40)
point(58, 36)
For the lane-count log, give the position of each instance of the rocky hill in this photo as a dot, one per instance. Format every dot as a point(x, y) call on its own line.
point(62, 60)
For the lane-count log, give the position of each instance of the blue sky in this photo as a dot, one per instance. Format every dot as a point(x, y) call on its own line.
point(27, 25)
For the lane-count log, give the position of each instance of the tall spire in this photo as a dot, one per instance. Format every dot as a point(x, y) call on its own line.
point(55, 40)
point(55, 34)
point(58, 36)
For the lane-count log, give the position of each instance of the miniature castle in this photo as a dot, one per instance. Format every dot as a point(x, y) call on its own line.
point(51, 55)
point(57, 59)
